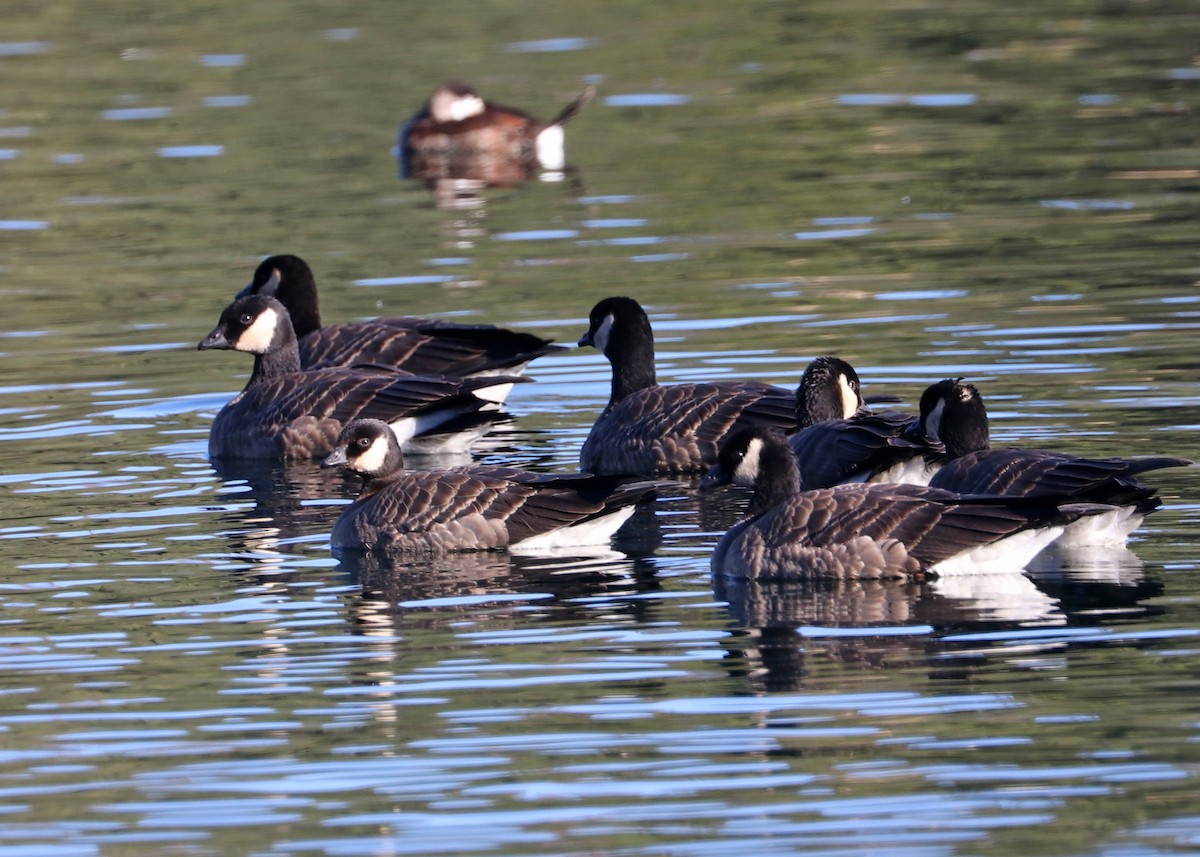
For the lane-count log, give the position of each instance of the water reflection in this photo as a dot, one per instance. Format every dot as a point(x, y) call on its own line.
point(187, 670)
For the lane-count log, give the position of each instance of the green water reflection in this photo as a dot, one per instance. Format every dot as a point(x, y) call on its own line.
point(1004, 191)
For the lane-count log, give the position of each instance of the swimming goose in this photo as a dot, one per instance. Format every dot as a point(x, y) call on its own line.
point(954, 413)
point(876, 530)
point(842, 440)
point(481, 507)
point(458, 127)
point(419, 345)
point(646, 428)
point(286, 412)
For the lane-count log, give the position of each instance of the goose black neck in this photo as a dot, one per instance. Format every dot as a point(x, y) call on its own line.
point(282, 358)
point(297, 290)
point(632, 358)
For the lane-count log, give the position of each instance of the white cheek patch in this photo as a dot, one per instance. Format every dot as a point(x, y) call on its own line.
point(603, 334)
point(371, 461)
point(747, 470)
point(271, 287)
point(465, 108)
point(850, 400)
point(933, 422)
point(257, 338)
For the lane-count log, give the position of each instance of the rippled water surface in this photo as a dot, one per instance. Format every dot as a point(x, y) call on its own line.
point(1007, 193)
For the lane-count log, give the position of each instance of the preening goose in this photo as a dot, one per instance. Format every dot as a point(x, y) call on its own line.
point(649, 428)
point(419, 345)
point(875, 530)
point(841, 440)
point(472, 508)
point(286, 412)
point(954, 413)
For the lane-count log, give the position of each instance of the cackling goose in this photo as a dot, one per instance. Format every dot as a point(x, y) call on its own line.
point(482, 507)
point(646, 428)
point(841, 440)
point(876, 530)
point(286, 412)
point(420, 345)
point(954, 413)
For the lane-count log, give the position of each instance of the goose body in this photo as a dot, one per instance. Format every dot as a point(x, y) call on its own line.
point(649, 428)
point(286, 412)
point(472, 508)
point(872, 530)
point(419, 345)
point(955, 413)
point(457, 134)
point(841, 440)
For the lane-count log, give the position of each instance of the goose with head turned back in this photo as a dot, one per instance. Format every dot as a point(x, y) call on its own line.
point(481, 507)
point(419, 345)
point(954, 413)
point(649, 428)
point(841, 440)
point(867, 531)
point(286, 412)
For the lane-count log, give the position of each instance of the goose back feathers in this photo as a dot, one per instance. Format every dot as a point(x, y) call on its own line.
point(955, 413)
point(418, 345)
point(842, 440)
point(866, 531)
point(285, 412)
point(472, 508)
point(649, 428)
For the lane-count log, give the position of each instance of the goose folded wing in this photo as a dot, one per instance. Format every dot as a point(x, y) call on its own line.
point(345, 395)
point(421, 346)
point(709, 411)
point(932, 525)
point(1018, 472)
point(836, 451)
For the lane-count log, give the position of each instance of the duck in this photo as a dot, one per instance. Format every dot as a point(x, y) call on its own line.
point(840, 439)
point(418, 345)
point(286, 412)
point(647, 428)
point(954, 412)
point(878, 530)
point(472, 508)
point(457, 134)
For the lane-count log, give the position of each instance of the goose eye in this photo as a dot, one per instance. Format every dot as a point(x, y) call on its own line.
point(364, 442)
point(246, 318)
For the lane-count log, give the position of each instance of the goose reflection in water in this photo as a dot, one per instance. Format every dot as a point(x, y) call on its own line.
point(478, 586)
point(876, 623)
